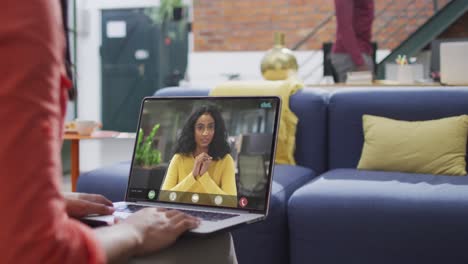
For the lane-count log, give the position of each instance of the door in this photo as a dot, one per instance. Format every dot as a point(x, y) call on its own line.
point(129, 66)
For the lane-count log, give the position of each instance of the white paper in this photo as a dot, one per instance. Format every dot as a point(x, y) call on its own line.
point(141, 54)
point(116, 29)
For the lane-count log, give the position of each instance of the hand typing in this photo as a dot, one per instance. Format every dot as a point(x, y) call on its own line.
point(83, 204)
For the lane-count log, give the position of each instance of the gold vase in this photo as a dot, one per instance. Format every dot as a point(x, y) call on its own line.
point(279, 62)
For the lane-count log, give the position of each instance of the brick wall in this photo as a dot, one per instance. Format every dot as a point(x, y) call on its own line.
point(248, 25)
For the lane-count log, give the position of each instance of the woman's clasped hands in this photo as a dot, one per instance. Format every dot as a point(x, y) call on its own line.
point(201, 165)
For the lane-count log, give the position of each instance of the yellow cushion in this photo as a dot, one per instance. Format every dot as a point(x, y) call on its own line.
point(431, 147)
point(287, 129)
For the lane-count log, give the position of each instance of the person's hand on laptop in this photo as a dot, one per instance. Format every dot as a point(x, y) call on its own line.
point(82, 204)
point(158, 228)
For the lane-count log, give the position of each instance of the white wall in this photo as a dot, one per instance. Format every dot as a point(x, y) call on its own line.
point(207, 69)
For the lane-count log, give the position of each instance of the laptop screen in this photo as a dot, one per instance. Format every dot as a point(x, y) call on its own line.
point(210, 151)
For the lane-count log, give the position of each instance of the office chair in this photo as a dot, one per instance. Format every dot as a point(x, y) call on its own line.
point(252, 174)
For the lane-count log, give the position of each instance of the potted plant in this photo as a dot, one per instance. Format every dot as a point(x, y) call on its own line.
point(145, 154)
point(168, 10)
point(147, 171)
point(169, 18)
point(171, 10)
point(177, 10)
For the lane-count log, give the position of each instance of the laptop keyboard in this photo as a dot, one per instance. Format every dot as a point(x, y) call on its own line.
point(209, 216)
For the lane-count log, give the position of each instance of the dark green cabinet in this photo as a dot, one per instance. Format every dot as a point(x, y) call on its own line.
point(138, 57)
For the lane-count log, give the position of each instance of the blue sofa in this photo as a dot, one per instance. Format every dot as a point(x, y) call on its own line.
point(324, 210)
point(347, 215)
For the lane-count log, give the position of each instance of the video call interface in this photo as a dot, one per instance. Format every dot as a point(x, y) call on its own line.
point(211, 151)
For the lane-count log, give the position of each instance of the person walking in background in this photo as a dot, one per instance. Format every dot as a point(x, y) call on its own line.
point(352, 49)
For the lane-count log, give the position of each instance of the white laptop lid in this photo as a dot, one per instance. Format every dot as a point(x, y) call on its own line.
point(245, 129)
point(454, 63)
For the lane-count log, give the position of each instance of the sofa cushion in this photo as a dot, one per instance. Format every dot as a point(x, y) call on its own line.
point(379, 217)
point(347, 106)
point(180, 91)
point(267, 241)
point(429, 146)
point(110, 181)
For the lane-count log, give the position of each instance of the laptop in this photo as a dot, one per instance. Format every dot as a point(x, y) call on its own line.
point(232, 185)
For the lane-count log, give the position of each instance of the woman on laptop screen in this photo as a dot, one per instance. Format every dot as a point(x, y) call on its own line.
point(202, 170)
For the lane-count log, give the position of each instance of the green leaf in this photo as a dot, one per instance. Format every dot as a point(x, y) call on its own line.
point(139, 151)
point(145, 154)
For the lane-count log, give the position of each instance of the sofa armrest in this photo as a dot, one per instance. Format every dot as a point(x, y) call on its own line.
point(110, 181)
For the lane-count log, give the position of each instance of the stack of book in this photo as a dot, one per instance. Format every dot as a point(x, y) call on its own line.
point(360, 77)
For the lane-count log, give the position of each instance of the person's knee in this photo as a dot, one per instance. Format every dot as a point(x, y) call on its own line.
point(190, 250)
point(221, 246)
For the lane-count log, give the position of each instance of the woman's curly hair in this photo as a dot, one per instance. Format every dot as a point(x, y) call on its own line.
point(218, 147)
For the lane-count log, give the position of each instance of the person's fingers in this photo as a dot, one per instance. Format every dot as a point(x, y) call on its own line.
point(171, 213)
point(202, 157)
point(161, 209)
point(205, 156)
point(101, 199)
point(97, 198)
point(97, 208)
point(206, 161)
point(150, 211)
point(177, 216)
point(184, 225)
point(200, 169)
point(70, 195)
point(80, 208)
point(197, 168)
point(205, 166)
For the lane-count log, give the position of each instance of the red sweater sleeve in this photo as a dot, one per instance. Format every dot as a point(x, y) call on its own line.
point(34, 227)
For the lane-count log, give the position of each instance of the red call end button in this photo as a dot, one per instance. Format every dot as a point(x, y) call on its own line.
point(243, 202)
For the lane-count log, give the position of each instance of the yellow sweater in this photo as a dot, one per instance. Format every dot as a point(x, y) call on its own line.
point(219, 179)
